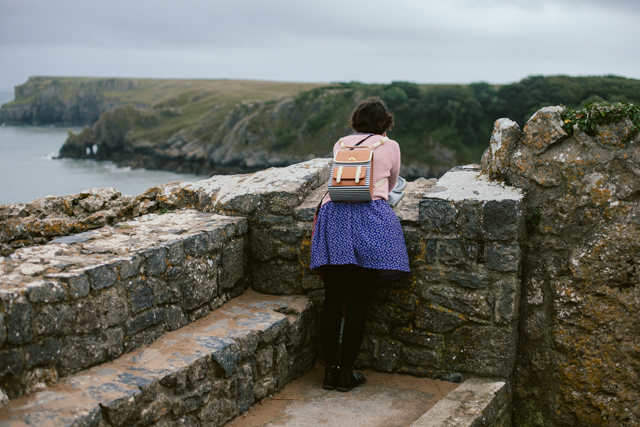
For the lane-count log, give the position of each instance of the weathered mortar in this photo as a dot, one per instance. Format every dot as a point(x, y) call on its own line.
point(578, 353)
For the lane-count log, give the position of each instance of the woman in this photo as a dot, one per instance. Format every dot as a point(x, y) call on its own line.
point(356, 243)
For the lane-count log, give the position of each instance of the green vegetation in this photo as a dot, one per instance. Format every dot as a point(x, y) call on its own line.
point(601, 113)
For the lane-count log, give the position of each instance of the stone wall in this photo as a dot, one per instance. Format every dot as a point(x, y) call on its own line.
point(578, 353)
point(86, 299)
point(457, 313)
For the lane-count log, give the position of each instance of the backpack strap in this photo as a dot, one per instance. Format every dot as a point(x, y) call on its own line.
point(370, 147)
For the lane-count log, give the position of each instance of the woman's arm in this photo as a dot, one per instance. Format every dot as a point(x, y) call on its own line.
point(395, 166)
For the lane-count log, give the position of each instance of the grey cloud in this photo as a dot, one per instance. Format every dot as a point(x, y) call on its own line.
point(424, 41)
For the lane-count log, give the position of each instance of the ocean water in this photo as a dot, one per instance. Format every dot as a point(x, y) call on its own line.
point(28, 169)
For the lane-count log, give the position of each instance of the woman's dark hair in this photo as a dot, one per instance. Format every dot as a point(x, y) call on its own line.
point(371, 116)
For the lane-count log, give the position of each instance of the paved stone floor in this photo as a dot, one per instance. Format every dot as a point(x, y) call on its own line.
point(385, 400)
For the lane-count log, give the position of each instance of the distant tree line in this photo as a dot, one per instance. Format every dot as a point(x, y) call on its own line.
point(461, 117)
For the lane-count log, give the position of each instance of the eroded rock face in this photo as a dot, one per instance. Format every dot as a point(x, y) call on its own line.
point(578, 347)
point(496, 159)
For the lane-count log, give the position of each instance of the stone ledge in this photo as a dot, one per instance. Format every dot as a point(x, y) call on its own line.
point(478, 402)
point(206, 372)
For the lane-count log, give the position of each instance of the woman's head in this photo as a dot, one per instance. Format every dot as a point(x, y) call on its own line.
point(371, 116)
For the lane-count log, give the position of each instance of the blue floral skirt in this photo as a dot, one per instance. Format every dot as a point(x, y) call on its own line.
point(367, 234)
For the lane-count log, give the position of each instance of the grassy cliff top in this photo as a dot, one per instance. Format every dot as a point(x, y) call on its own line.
point(150, 91)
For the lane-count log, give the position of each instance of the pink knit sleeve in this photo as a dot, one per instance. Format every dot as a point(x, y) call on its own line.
point(395, 167)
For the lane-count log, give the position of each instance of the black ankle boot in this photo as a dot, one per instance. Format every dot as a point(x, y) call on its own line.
point(348, 379)
point(331, 374)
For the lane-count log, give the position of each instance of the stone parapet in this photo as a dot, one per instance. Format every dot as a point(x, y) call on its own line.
point(457, 314)
point(203, 374)
point(85, 299)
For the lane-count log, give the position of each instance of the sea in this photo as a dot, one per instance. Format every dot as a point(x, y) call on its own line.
point(29, 169)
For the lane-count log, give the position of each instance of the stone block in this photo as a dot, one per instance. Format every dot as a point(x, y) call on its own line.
point(140, 294)
point(79, 353)
point(507, 296)
point(18, 315)
point(470, 220)
point(420, 356)
point(102, 276)
point(482, 350)
point(165, 291)
point(462, 300)
point(287, 234)
point(423, 338)
point(502, 257)
point(196, 244)
point(11, 362)
point(57, 319)
point(387, 312)
point(112, 305)
point(46, 291)
point(175, 253)
point(199, 313)
point(431, 251)
point(114, 338)
point(77, 284)
point(87, 317)
point(501, 219)
point(197, 399)
point(469, 280)
point(224, 351)
point(264, 360)
point(232, 265)
point(43, 354)
point(155, 261)
point(129, 266)
point(437, 319)
point(262, 245)
point(456, 251)
point(389, 355)
point(198, 283)
point(215, 239)
point(277, 277)
point(174, 318)
point(438, 216)
point(144, 320)
point(245, 387)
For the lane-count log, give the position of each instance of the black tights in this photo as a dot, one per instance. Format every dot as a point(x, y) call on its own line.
point(350, 284)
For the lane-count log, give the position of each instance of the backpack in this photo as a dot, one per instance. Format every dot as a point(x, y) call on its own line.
point(351, 177)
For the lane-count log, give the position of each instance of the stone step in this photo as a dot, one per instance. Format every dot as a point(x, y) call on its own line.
point(384, 400)
point(204, 373)
point(85, 299)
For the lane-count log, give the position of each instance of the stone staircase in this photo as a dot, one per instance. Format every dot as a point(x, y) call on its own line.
point(204, 373)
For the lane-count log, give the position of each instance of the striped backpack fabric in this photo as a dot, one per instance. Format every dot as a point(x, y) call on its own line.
point(351, 177)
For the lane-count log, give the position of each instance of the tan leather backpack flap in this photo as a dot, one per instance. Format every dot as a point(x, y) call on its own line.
point(347, 176)
point(353, 156)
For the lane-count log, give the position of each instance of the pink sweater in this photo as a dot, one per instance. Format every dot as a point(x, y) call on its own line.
point(386, 163)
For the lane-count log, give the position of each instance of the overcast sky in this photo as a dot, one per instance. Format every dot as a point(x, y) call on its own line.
point(424, 41)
